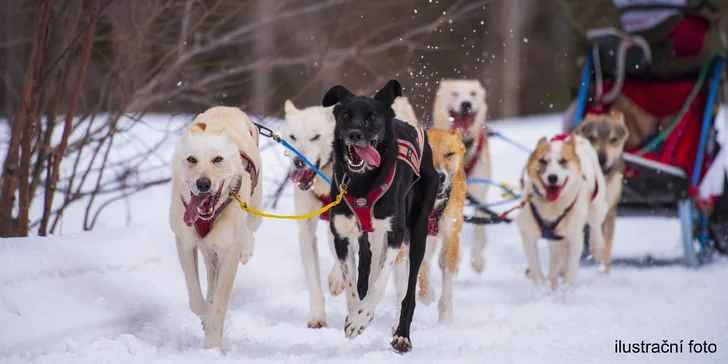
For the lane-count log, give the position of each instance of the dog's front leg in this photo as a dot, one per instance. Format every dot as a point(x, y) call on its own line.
point(188, 259)
point(530, 247)
point(449, 265)
point(479, 192)
point(401, 275)
point(344, 230)
point(210, 258)
point(426, 293)
point(309, 253)
point(357, 321)
point(336, 282)
point(556, 257)
point(227, 268)
point(608, 229)
point(365, 265)
point(575, 246)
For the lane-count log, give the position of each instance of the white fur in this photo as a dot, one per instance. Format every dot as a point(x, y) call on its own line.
point(311, 132)
point(226, 134)
point(565, 254)
point(450, 94)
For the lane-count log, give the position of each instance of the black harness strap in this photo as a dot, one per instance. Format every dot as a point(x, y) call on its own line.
point(548, 231)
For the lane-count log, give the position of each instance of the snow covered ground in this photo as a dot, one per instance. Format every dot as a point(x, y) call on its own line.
point(116, 295)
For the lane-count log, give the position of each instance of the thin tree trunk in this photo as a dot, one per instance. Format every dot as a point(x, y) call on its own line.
point(23, 127)
point(58, 156)
point(512, 66)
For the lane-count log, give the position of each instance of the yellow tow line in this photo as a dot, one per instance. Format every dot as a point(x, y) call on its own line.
point(244, 206)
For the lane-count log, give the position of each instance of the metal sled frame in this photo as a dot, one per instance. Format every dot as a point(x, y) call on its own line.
point(693, 223)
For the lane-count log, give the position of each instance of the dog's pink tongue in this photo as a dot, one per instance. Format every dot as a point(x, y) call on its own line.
point(368, 154)
point(191, 213)
point(297, 174)
point(552, 193)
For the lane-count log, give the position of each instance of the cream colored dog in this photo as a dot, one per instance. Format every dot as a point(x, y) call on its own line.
point(461, 105)
point(218, 155)
point(311, 131)
point(564, 191)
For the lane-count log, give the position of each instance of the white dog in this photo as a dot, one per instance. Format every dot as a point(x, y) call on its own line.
point(564, 191)
point(461, 105)
point(218, 154)
point(311, 132)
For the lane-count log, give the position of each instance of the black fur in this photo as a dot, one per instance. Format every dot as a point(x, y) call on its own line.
point(408, 207)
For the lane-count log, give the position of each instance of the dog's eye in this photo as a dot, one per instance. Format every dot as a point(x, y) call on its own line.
point(472, 93)
point(345, 116)
point(449, 154)
point(543, 161)
point(562, 162)
point(315, 137)
point(613, 140)
point(292, 137)
point(372, 117)
point(592, 139)
point(454, 94)
point(191, 160)
point(217, 159)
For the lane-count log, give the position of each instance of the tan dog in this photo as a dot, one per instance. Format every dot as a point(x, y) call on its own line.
point(607, 135)
point(218, 155)
point(446, 220)
point(564, 191)
point(461, 105)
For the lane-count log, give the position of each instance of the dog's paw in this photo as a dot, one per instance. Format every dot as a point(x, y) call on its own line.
point(426, 296)
point(357, 322)
point(247, 252)
point(478, 263)
point(316, 324)
point(202, 309)
point(401, 344)
point(336, 281)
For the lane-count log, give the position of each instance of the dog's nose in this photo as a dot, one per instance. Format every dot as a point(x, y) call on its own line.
point(602, 158)
point(203, 184)
point(299, 163)
point(354, 135)
point(466, 106)
point(442, 176)
point(552, 178)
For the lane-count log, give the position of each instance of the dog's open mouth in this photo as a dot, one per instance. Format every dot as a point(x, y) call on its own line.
point(462, 121)
point(553, 191)
point(201, 206)
point(441, 190)
point(359, 155)
point(302, 176)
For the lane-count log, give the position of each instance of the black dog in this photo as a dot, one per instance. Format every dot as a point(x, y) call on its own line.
point(391, 183)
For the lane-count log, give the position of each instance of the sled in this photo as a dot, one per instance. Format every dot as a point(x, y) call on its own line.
point(663, 174)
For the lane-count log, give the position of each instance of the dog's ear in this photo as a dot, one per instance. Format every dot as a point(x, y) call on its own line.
point(389, 92)
point(541, 142)
point(289, 107)
point(335, 95)
point(197, 127)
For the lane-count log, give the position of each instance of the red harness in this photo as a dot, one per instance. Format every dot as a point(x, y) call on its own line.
point(363, 207)
point(203, 227)
point(470, 165)
point(325, 200)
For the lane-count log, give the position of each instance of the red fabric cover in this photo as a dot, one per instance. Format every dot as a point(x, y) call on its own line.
point(662, 99)
point(688, 36)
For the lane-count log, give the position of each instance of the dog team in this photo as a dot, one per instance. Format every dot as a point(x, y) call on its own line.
point(403, 189)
